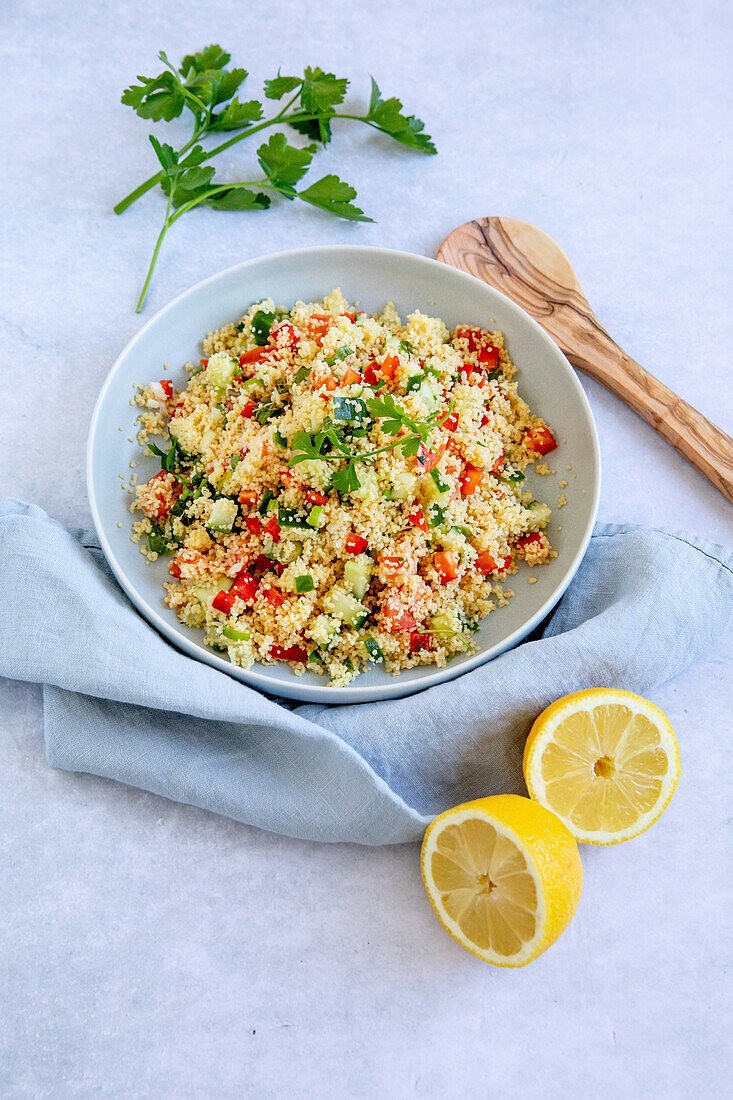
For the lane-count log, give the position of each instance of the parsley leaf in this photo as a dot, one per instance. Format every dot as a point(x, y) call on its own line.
point(346, 480)
point(156, 98)
point(386, 115)
point(334, 195)
point(239, 198)
point(284, 164)
point(321, 90)
point(236, 115)
point(211, 57)
point(280, 85)
point(340, 353)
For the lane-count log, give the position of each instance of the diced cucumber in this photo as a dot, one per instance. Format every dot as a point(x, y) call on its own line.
point(221, 371)
point(431, 491)
point(204, 591)
point(223, 515)
point(314, 516)
point(357, 575)
point(286, 517)
point(324, 630)
point(403, 485)
point(541, 514)
point(345, 607)
point(443, 624)
point(374, 650)
point(369, 485)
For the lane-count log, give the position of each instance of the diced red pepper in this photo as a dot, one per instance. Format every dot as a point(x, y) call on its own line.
point(263, 564)
point(541, 440)
point(488, 355)
point(273, 528)
point(284, 335)
point(274, 596)
point(486, 563)
point(350, 377)
point(248, 498)
point(370, 376)
point(418, 641)
point(223, 602)
point(248, 409)
point(428, 460)
point(470, 480)
point(390, 365)
point(314, 497)
point(451, 422)
point(355, 544)
point(253, 524)
point(417, 518)
point(533, 539)
point(498, 465)
point(403, 620)
point(174, 569)
point(245, 586)
point(203, 363)
point(167, 386)
point(484, 419)
point(288, 653)
point(446, 563)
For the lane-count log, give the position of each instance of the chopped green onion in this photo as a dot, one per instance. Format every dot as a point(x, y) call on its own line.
point(234, 461)
point(301, 374)
point(315, 656)
point(464, 531)
point(252, 381)
point(406, 346)
point(314, 515)
point(304, 583)
point(267, 496)
point(494, 374)
point(374, 651)
point(236, 635)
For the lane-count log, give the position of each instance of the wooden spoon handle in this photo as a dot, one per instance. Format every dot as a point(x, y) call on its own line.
point(530, 268)
point(702, 443)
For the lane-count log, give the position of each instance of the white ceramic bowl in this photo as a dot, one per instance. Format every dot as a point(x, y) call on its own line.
point(370, 276)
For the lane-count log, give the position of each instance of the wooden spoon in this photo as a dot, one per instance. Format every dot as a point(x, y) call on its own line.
point(526, 265)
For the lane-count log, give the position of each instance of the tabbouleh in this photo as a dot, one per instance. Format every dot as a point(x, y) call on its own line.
point(339, 488)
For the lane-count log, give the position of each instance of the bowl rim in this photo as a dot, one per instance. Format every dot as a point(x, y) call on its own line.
point(352, 693)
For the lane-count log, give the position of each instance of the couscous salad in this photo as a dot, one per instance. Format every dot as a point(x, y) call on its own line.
point(339, 488)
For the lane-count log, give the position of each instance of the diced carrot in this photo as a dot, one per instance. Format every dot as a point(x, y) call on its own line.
point(470, 480)
point(446, 564)
point(248, 498)
point(486, 563)
point(351, 376)
point(390, 365)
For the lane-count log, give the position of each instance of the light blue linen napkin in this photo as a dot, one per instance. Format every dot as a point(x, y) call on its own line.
point(120, 702)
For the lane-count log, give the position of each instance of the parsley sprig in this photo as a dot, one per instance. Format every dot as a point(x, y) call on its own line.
point(330, 443)
point(208, 90)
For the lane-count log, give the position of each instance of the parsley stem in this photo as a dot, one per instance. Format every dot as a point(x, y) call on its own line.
point(154, 258)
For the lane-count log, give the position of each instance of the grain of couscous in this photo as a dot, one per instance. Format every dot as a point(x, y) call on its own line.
point(341, 488)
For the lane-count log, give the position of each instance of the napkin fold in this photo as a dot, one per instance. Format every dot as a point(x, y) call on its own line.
point(121, 702)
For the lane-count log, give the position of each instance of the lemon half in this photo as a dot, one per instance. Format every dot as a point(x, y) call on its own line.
point(605, 761)
point(503, 875)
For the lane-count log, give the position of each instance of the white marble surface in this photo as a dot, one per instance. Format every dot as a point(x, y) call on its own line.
point(150, 950)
